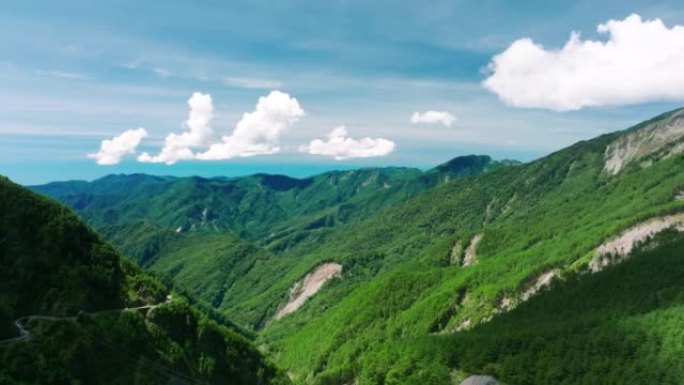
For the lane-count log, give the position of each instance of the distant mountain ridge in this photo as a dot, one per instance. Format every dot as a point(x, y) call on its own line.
point(252, 207)
point(193, 228)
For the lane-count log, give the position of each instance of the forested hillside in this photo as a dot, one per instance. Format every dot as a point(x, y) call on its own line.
point(188, 229)
point(621, 326)
point(530, 224)
point(73, 311)
point(430, 270)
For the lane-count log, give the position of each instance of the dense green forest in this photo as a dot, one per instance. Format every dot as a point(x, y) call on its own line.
point(90, 317)
point(440, 269)
point(187, 229)
point(141, 211)
point(621, 326)
point(548, 215)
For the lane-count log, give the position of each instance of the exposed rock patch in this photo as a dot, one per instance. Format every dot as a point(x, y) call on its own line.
point(505, 305)
point(480, 380)
point(660, 139)
point(618, 249)
point(509, 302)
point(540, 283)
point(456, 253)
point(204, 216)
point(308, 287)
point(467, 322)
point(470, 257)
point(463, 325)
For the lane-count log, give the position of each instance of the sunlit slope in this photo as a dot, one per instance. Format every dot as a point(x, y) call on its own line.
point(404, 268)
point(273, 210)
point(620, 326)
point(197, 231)
point(433, 263)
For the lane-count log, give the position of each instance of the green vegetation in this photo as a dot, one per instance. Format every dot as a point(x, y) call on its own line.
point(55, 267)
point(141, 215)
point(214, 267)
point(622, 326)
point(406, 309)
point(140, 212)
point(549, 214)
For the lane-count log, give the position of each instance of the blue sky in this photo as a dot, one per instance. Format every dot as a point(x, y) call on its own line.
point(75, 73)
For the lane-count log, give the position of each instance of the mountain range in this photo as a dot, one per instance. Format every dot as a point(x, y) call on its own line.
point(563, 270)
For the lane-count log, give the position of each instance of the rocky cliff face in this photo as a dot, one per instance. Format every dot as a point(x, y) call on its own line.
point(309, 286)
point(656, 140)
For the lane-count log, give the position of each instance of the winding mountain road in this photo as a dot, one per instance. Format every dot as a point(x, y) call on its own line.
point(25, 335)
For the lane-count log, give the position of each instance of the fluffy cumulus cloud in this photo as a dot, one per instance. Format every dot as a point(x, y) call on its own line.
point(198, 132)
point(340, 146)
point(638, 61)
point(433, 117)
point(258, 131)
point(112, 150)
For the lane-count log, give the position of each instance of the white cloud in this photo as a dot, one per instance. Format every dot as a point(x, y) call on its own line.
point(252, 83)
point(112, 150)
point(340, 146)
point(431, 117)
point(179, 146)
point(257, 133)
point(640, 61)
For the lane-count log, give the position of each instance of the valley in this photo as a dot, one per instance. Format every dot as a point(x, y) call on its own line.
point(348, 192)
point(566, 269)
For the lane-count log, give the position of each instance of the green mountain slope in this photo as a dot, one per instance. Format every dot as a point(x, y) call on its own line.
point(185, 228)
point(621, 326)
point(421, 270)
point(259, 208)
point(404, 275)
point(224, 272)
point(251, 207)
point(72, 311)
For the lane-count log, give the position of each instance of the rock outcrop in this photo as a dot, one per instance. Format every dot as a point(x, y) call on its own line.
point(308, 287)
point(540, 283)
point(470, 257)
point(619, 248)
point(654, 141)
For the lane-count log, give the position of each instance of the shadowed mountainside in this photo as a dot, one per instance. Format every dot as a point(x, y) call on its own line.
point(88, 316)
